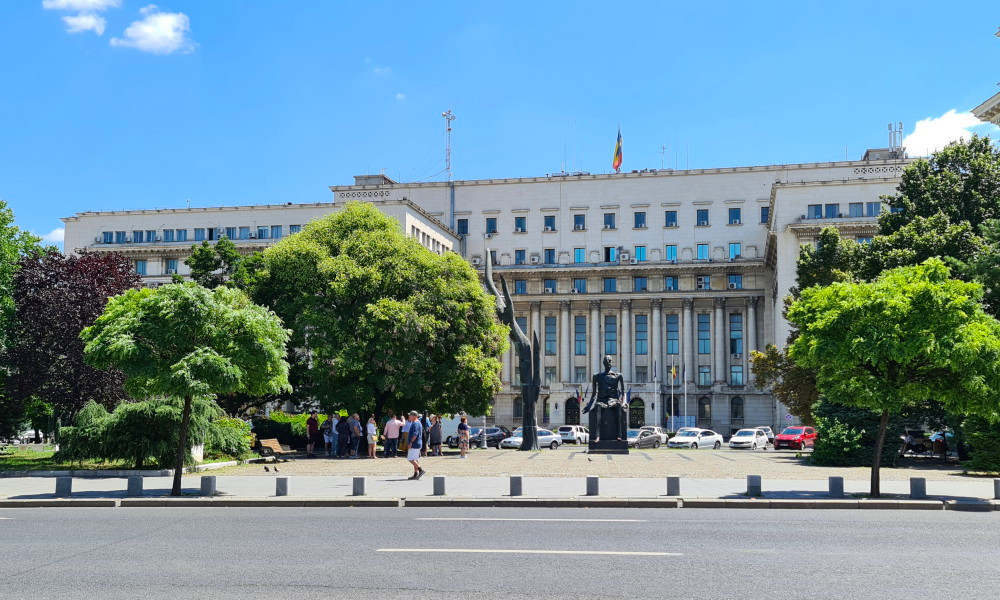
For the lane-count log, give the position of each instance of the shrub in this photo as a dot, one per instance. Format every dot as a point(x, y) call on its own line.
point(289, 429)
point(846, 436)
point(983, 438)
point(228, 437)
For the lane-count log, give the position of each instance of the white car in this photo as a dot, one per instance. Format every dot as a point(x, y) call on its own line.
point(749, 438)
point(545, 438)
point(694, 439)
point(574, 434)
point(658, 431)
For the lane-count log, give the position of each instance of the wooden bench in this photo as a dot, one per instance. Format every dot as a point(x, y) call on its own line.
point(272, 447)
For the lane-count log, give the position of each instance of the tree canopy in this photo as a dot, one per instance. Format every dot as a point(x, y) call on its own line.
point(912, 335)
point(378, 320)
point(212, 266)
point(182, 340)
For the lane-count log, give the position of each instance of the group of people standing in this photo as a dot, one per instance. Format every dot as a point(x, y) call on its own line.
point(341, 435)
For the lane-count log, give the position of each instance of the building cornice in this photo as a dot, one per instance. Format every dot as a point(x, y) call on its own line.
point(989, 111)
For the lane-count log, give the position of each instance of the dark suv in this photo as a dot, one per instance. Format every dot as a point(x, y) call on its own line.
point(493, 437)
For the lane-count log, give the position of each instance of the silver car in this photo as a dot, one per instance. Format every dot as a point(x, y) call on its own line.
point(545, 438)
point(749, 438)
point(694, 439)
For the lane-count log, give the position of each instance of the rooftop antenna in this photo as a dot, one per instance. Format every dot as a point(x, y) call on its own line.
point(663, 148)
point(448, 117)
point(896, 140)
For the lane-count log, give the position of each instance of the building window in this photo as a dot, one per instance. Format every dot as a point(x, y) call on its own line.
point(610, 335)
point(518, 404)
point(293, 229)
point(703, 217)
point(109, 237)
point(210, 233)
point(550, 256)
point(641, 374)
point(704, 334)
point(171, 266)
point(579, 222)
point(704, 409)
point(856, 209)
point(580, 285)
point(550, 336)
point(120, 237)
point(640, 284)
point(168, 235)
point(182, 235)
point(463, 227)
point(520, 224)
point(735, 216)
point(735, 281)
point(263, 233)
point(670, 218)
point(493, 257)
point(520, 286)
point(670, 252)
point(640, 220)
point(150, 235)
point(491, 225)
point(765, 214)
point(670, 284)
point(137, 237)
point(243, 233)
point(704, 375)
point(640, 253)
point(550, 286)
point(276, 232)
point(610, 254)
point(736, 375)
point(735, 250)
point(579, 376)
point(550, 375)
point(579, 255)
point(518, 257)
point(673, 334)
point(703, 282)
point(641, 334)
point(864, 240)
point(199, 235)
point(522, 322)
point(231, 232)
point(873, 209)
point(609, 221)
point(832, 211)
point(550, 223)
point(702, 251)
point(580, 337)
point(814, 211)
point(736, 405)
point(736, 334)
point(140, 267)
point(610, 284)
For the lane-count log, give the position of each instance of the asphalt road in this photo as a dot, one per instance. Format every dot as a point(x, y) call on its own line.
point(289, 553)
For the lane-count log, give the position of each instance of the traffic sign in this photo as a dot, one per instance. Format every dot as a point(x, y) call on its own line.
point(788, 417)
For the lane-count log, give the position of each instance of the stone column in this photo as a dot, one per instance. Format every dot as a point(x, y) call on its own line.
point(688, 342)
point(720, 350)
point(657, 326)
point(565, 343)
point(595, 336)
point(625, 318)
point(751, 341)
point(535, 323)
point(507, 374)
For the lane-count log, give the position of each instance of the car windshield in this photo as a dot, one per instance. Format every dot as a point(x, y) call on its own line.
point(633, 432)
point(517, 432)
point(792, 431)
point(687, 434)
point(744, 433)
point(545, 432)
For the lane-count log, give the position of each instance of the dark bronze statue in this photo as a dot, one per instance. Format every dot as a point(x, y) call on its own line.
point(528, 357)
point(608, 411)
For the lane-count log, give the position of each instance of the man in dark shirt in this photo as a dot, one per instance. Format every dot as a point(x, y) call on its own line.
point(312, 433)
point(343, 436)
point(415, 436)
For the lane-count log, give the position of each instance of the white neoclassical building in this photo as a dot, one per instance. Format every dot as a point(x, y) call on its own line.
point(676, 274)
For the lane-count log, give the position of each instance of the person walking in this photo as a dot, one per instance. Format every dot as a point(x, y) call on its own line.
point(355, 423)
point(425, 424)
point(463, 436)
point(414, 437)
point(392, 428)
point(344, 437)
point(372, 437)
point(312, 434)
point(435, 436)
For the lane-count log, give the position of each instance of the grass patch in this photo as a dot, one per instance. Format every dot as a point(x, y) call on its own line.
point(13, 458)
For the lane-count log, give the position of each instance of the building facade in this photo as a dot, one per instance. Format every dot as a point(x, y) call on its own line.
point(678, 275)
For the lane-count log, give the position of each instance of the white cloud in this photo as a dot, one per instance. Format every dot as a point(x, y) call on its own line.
point(84, 22)
point(55, 236)
point(935, 133)
point(158, 33)
point(80, 5)
point(401, 97)
point(382, 70)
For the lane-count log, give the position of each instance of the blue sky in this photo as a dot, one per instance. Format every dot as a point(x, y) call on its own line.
point(111, 104)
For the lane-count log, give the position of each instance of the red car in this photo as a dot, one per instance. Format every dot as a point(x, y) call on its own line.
point(796, 438)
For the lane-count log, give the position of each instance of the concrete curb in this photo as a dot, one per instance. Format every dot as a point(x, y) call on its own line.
point(58, 502)
point(259, 502)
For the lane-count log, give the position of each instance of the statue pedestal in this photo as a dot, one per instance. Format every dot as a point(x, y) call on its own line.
point(608, 447)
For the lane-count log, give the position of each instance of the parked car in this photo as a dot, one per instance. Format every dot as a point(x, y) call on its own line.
point(658, 431)
point(749, 438)
point(643, 438)
point(700, 438)
point(494, 435)
point(545, 438)
point(768, 432)
point(797, 438)
point(574, 434)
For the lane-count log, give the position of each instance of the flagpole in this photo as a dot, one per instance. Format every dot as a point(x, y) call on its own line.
point(673, 376)
point(684, 376)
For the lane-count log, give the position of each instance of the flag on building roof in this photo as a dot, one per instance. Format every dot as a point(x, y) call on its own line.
point(616, 164)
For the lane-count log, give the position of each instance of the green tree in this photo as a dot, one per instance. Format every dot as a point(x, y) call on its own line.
point(911, 336)
point(379, 321)
point(185, 341)
point(794, 386)
point(212, 266)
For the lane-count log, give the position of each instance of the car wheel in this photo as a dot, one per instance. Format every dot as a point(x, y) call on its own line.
point(694, 446)
point(717, 445)
point(554, 445)
point(578, 441)
point(656, 445)
point(755, 446)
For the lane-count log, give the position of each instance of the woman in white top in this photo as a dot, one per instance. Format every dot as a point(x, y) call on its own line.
point(372, 437)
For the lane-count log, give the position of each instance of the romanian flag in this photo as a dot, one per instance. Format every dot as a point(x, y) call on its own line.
point(673, 372)
point(616, 164)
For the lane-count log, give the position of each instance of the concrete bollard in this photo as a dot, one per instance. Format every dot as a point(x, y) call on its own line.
point(280, 486)
point(996, 489)
point(358, 489)
point(134, 486)
point(918, 487)
point(593, 485)
point(673, 486)
point(836, 487)
point(517, 485)
point(754, 485)
point(208, 486)
point(64, 487)
point(439, 485)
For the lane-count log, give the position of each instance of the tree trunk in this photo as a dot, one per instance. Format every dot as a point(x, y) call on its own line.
point(182, 447)
point(875, 491)
point(529, 427)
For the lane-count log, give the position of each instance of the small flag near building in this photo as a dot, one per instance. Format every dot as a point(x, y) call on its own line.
point(616, 164)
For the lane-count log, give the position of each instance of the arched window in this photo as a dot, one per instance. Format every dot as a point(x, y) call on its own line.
point(736, 408)
point(636, 413)
point(518, 408)
point(704, 411)
point(572, 411)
